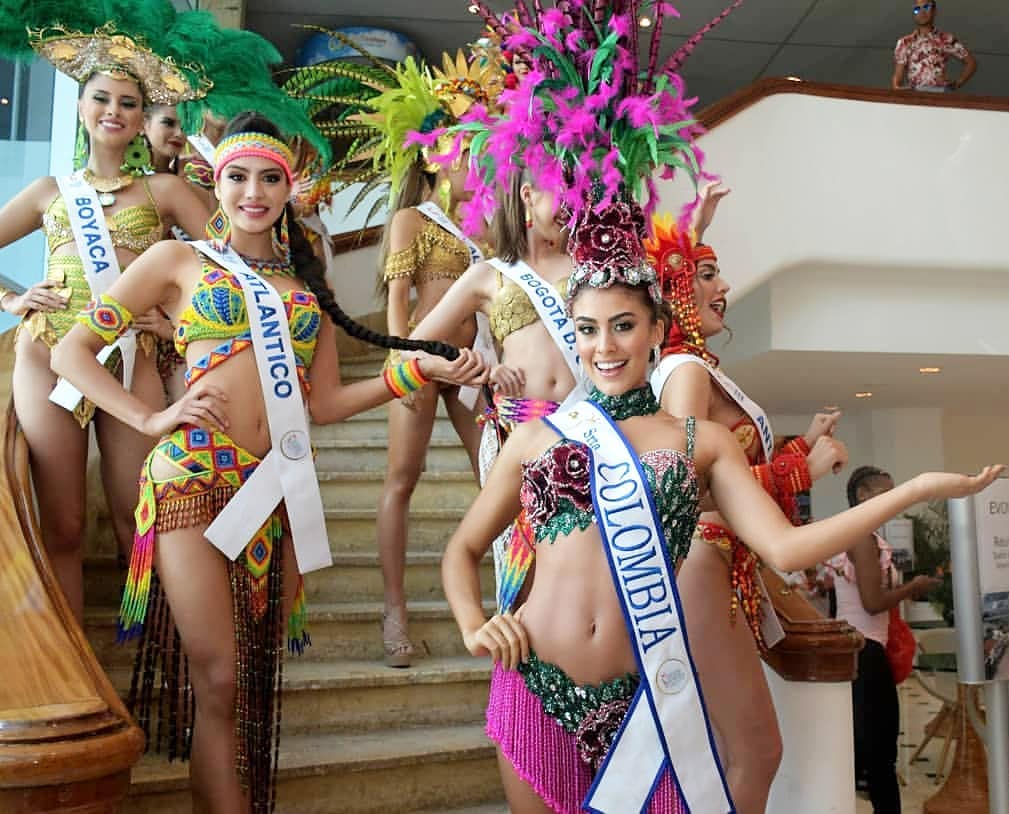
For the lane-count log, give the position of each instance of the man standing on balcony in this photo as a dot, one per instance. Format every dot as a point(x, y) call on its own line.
point(920, 58)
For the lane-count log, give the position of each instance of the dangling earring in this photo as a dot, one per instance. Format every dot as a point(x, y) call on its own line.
point(529, 219)
point(137, 159)
point(219, 227)
point(653, 358)
point(81, 147)
point(445, 195)
point(280, 237)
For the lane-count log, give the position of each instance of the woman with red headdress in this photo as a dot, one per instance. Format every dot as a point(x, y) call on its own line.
point(720, 572)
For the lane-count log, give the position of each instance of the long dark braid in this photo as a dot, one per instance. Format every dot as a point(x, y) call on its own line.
point(860, 477)
point(310, 269)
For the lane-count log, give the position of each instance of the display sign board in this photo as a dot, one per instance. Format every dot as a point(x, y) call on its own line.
point(899, 535)
point(991, 517)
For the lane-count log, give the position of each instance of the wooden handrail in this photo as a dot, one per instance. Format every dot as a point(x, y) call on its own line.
point(814, 648)
point(66, 740)
point(726, 108)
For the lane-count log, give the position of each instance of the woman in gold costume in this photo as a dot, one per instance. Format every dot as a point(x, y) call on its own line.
point(117, 77)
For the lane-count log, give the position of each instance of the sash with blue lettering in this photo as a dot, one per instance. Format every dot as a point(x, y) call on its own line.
point(101, 270)
point(484, 341)
point(287, 472)
point(667, 724)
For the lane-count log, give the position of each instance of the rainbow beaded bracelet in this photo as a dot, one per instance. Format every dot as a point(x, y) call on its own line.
point(404, 378)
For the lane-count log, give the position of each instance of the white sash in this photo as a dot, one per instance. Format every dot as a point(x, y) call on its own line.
point(287, 472)
point(101, 270)
point(484, 341)
point(770, 625)
point(203, 146)
point(733, 390)
point(667, 723)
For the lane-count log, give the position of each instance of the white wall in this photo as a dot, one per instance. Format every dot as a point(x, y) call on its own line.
point(856, 184)
point(902, 441)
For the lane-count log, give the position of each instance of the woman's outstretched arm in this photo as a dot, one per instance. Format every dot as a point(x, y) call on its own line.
point(755, 517)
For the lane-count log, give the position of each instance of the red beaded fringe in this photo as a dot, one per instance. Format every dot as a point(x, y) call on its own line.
point(746, 590)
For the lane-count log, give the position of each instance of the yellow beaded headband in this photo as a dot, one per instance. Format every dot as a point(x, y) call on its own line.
point(259, 145)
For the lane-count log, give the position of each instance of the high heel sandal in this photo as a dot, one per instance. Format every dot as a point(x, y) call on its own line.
point(399, 650)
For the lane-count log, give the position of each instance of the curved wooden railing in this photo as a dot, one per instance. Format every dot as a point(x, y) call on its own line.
point(67, 742)
point(726, 108)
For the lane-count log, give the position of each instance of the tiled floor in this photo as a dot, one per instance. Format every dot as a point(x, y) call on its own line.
point(917, 708)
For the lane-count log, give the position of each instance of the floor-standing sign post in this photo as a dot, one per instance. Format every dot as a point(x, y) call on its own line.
point(979, 536)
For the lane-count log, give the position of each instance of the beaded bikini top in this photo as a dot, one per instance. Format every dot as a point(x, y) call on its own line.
point(217, 311)
point(557, 497)
point(134, 228)
point(511, 309)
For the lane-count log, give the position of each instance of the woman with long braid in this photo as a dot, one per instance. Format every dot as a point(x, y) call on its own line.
point(230, 615)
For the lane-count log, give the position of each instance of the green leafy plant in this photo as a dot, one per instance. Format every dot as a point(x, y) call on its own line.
point(932, 554)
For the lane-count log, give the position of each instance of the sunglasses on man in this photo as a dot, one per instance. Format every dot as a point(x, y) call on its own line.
point(924, 7)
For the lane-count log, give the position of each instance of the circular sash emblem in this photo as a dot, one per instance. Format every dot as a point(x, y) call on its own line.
point(294, 445)
point(672, 676)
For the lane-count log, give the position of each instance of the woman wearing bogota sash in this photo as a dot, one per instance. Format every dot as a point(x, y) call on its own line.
point(516, 290)
point(233, 469)
point(594, 700)
point(720, 575)
point(96, 222)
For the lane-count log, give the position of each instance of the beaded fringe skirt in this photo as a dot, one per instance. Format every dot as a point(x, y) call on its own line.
point(544, 754)
point(211, 469)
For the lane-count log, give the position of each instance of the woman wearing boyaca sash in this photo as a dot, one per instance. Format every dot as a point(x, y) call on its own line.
point(594, 700)
point(233, 469)
point(392, 118)
point(96, 221)
point(720, 576)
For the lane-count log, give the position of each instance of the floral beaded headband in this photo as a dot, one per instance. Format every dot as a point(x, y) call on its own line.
point(607, 250)
point(258, 145)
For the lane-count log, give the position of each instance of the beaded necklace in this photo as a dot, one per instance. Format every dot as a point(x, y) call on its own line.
point(639, 401)
point(269, 268)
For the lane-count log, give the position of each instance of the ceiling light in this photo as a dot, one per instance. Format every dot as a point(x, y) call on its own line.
point(929, 369)
point(4, 100)
point(645, 22)
point(474, 9)
point(831, 408)
point(866, 394)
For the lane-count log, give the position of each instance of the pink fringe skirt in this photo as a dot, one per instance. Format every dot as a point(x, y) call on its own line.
point(544, 755)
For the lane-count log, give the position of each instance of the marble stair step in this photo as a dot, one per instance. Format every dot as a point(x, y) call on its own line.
point(372, 455)
point(352, 697)
point(339, 630)
point(362, 490)
point(438, 768)
point(354, 576)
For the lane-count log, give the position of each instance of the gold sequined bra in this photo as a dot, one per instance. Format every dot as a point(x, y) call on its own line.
point(134, 228)
point(434, 254)
point(511, 309)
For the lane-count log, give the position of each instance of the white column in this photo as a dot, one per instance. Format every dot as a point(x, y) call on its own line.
point(817, 773)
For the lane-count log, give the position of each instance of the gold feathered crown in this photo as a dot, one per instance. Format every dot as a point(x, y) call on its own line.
point(462, 83)
point(80, 56)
